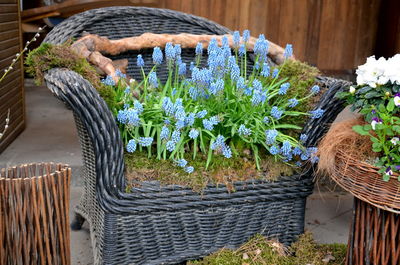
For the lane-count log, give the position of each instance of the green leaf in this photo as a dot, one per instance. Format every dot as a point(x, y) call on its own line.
point(360, 130)
point(372, 94)
point(381, 108)
point(376, 145)
point(386, 177)
point(374, 140)
point(287, 126)
point(390, 105)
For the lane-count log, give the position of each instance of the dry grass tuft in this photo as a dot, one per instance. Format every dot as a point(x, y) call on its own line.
point(341, 137)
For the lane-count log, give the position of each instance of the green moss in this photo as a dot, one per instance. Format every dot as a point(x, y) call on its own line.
point(259, 250)
point(48, 56)
point(221, 170)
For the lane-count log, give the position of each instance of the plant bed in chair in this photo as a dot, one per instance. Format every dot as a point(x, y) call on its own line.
point(158, 224)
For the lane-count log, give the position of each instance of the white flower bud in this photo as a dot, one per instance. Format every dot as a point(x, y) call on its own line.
point(6, 127)
point(40, 28)
point(10, 68)
point(17, 55)
point(14, 60)
point(37, 35)
point(28, 42)
point(352, 90)
point(7, 120)
point(25, 49)
point(34, 39)
point(1, 135)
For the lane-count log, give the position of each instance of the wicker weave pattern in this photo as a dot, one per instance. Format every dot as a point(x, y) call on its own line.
point(153, 224)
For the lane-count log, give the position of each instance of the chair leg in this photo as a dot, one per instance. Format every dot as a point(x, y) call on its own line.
point(77, 223)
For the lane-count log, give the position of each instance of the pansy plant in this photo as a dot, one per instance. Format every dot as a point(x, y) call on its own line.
point(377, 98)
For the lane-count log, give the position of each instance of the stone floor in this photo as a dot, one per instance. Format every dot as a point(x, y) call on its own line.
point(50, 135)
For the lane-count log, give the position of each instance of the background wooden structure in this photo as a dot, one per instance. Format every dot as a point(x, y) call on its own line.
point(11, 88)
point(334, 35)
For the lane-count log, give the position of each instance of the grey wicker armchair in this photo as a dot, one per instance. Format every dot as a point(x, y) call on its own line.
point(165, 225)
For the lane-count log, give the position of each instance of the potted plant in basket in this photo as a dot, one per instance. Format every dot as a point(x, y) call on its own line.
point(363, 156)
point(181, 156)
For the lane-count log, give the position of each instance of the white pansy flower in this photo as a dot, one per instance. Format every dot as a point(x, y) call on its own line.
point(394, 140)
point(352, 90)
point(393, 69)
point(397, 100)
point(372, 72)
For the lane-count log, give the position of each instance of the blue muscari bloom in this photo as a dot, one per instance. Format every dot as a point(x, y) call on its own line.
point(257, 85)
point(132, 116)
point(293, 102)
point(314, 159)
point(217, 86)
point(298, 163)
point(157, 56)
point(193, 93)
point(316, 114)
point(261, 46)
point(212, 45)
point(131, 146)
point(164, 133)
point(236, 38)
point(218, 143)
point(189, 169)
point(308, 153)
point(208, 125)
point(199, 48)
point(242, 50)
point(122, 116)
point(139, 61)
point(225, 42)
point(226, 52)
point(127, 90)
point(235, 72)
point(284, 88)
point(167, 122)
point(153, 79)
point(176, 136)
point(266, 120)
point(303, 138)
point(189, 120)
point(246, 35)
point(274, 150)
point(109, 81)
point(145, 141)
point(120, 74)
point(243, 131)
point(126, 106)
point(191, 67)
point(170, 146)
point(169, 51)
point(138, 106)
point(180, 113)
point(288, 158)
point(226, 151)
point(275, 73)
point(193, 134)
point(181, 162)
point(231, 61)
point(297, 151)
point(180, 123)
point(201, 114)
point(214, 120)
point(271, 136)
point(240, 84)
point(276, 113)
point(257, 65)
point(168, 106)
point(288, 51)
point(265, 70)
point(248, 91)
point(315, 89)
point(258, 97)
point(286, 148)
point(178, 50)
point(182, 69)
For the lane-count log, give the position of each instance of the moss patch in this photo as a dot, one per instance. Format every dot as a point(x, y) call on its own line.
point(259, 250)
point(48, 56)
point(221, 170)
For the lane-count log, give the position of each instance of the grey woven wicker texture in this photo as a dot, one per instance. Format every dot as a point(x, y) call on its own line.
point(167, 225)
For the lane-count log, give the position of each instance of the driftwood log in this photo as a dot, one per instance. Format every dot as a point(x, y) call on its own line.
point(92, 47)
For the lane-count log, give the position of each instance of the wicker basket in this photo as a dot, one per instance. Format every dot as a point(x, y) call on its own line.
point(34, 214)
point(167, 225)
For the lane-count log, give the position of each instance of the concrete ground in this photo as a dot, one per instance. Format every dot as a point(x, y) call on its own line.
point(50, 135)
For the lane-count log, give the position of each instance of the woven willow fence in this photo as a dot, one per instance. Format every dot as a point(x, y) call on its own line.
point(34, 214)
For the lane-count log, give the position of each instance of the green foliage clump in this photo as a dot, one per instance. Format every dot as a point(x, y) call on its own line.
point(48, 56)
point(260, 251)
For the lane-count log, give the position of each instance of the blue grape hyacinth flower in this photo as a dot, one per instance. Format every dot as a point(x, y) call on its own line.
point(170, 146)
point(193, 134)
point(243, 131)
point(140, 61)
point(164, 133)
point(293, 102)
point(153, 79)
point(131, 146)
point(246, 35)
point(315, 89)
point(189, 169)
point(236, 38)
point(274, 150)
point(157, 56)
point(276, 113)
point(288, 51)
point(181, 162)
point(271, 136)
point(284, 88)
point(316, 114)
point(145, 141)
